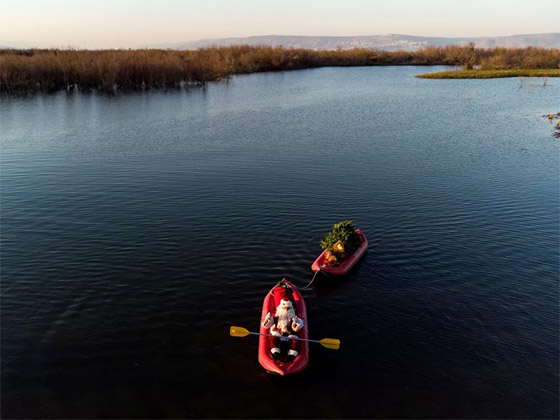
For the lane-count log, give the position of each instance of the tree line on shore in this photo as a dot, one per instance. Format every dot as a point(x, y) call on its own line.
point(111, 70)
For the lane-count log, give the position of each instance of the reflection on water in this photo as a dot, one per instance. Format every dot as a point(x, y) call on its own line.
point(137, 228)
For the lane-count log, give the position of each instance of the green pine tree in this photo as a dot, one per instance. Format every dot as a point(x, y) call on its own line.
point(345, 232)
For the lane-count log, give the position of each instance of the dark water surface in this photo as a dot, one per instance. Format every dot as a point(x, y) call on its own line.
point(137, 228)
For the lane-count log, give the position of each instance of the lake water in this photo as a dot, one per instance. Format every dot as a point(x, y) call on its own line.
point(137, 228)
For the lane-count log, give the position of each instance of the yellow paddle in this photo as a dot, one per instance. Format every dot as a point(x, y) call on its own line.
point(330, 343)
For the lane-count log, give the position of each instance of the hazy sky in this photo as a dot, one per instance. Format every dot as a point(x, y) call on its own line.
point(137, 23)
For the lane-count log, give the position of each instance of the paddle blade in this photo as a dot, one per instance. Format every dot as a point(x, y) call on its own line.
point(238, 332)
point(330, 343)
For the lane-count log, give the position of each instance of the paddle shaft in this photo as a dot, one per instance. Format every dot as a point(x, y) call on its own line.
point(300, 339)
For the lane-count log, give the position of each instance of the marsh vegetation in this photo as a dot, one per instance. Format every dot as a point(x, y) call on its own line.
point(492, 74)
point(112, 70)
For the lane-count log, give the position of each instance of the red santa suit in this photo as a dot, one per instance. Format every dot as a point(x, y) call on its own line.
point(284, 324)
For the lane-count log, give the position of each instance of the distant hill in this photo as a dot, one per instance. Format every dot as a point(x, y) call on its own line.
point(391, 42)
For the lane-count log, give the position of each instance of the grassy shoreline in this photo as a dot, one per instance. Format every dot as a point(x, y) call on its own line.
point(35, 70)
point(490, 74)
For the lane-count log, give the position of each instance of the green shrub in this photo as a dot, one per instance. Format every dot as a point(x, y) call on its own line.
point(345, 232)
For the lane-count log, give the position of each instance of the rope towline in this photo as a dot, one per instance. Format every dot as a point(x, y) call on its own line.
point(311, 282)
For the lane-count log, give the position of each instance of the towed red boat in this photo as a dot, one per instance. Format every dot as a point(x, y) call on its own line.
point(322, 264)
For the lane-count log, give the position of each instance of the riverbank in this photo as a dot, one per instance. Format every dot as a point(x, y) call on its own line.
point(23, 71)
point(490, 74)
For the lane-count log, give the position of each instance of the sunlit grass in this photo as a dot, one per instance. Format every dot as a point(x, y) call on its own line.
point(491, 74)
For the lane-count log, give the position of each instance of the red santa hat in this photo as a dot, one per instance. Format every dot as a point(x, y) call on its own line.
point(282, 293)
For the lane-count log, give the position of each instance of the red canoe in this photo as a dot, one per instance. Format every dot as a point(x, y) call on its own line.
point(265, 343)
point(345, 266)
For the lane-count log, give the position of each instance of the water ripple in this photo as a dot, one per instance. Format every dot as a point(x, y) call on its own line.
point(137, 228)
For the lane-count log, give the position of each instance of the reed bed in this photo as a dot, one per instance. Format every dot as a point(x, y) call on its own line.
point(112, 70)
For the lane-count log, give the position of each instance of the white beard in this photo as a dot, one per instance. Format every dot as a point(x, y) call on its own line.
point(285, 317)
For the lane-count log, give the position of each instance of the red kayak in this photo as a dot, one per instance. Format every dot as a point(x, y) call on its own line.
point(282, 366)
point(345, 266)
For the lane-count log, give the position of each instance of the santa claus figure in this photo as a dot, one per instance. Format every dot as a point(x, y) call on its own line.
point(284, 324)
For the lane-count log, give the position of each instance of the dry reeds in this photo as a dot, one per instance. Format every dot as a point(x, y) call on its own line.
point(109, 70)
